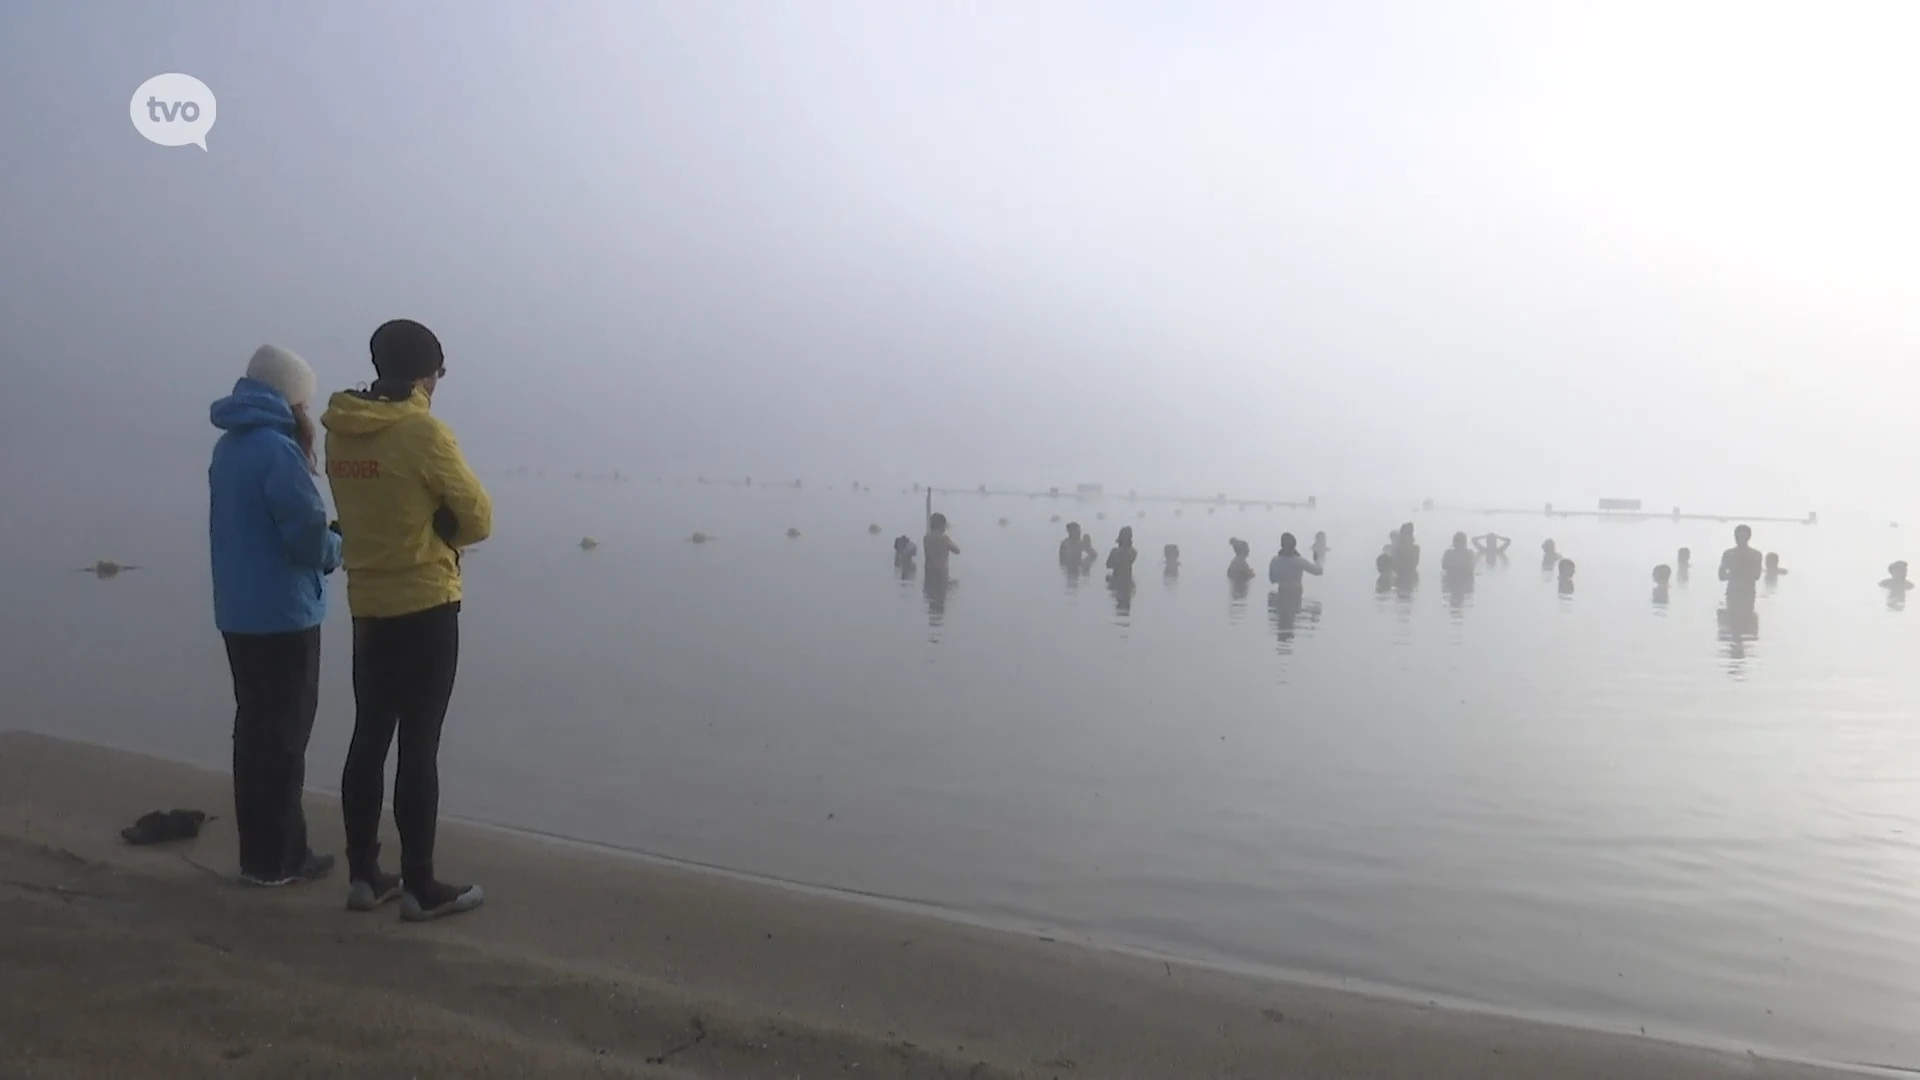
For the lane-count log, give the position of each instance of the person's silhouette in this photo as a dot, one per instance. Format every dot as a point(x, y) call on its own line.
point(1240, 569)
point(1896, 584)
point(1741, 567)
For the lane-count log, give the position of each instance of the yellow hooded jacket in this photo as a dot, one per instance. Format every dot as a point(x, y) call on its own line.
point(407, 503)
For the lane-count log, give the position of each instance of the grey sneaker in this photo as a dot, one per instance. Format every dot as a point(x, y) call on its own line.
point(440, 901)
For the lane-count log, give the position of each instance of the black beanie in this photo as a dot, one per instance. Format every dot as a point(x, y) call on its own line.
point(404, 351)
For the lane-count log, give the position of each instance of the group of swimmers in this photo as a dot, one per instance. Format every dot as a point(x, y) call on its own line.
point(1742, 567)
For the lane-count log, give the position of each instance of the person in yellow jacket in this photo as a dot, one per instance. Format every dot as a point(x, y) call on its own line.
point(407, 505)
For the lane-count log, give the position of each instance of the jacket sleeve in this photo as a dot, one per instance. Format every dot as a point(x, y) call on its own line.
point(294, 501)
point(450, 480)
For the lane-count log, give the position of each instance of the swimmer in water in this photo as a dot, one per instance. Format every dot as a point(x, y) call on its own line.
point(1662, 574)
point(1171, 553)
point(1288, 567)
point(1406, 554)
point(1896, 581)
point(939, 547)
point(1566, 577)
point(1120, 559)
point(1492, 547)
point(904, 552)
point(1740, 568)
point(1320, 548)
point(1240, 570)
point(1683, 564)
point(1549, 555)
point(1456, 563)
point(1070, 547)
point(1770, 569)
point(1383, 565)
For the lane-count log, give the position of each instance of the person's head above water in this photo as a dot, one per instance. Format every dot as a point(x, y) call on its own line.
point(1126, 536)
point(1566, 569)
point(1240, 547)
point(1686, 556)
point(1742, 534)
point(1406, 531)
point(1073, 529)
point(1661, 573)
point(937, 523)
point(1460, 540)
point(1288, 545)
point(1773, 560)
point(1383, 563)
point(1320, 536)
point(1897, 570)
point(901, 543)
point(1547, 546)
point(1172, 552)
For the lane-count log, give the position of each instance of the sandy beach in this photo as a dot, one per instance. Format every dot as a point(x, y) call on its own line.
point(125, 962)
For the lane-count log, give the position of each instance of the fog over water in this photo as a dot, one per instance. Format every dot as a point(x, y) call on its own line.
point(1489, 254)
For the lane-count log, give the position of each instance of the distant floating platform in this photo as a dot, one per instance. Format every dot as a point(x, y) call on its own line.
point(1311, 502)
point(1627, 515)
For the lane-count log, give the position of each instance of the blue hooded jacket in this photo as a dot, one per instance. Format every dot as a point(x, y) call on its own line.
point(271, 545)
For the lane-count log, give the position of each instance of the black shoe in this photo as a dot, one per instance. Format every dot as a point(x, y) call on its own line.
point(314, 868)
point(372, 891)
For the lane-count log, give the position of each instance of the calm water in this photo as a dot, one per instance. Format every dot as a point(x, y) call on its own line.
point(1586, 806)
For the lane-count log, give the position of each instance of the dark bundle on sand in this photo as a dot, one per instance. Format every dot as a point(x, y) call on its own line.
point(164, 826)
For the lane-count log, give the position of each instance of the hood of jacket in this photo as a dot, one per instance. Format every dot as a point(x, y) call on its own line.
point(356, 412)
point(252, 404)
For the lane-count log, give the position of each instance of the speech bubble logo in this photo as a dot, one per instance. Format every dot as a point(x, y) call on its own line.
point(173, 110)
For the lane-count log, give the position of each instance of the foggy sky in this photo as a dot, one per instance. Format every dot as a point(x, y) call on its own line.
point(1508, 252)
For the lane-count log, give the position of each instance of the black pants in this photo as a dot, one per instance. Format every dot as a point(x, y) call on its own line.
point(403, 669)
point(276, 692)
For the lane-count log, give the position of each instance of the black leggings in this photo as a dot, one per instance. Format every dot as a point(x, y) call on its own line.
point(276, 692)
point(403, 670)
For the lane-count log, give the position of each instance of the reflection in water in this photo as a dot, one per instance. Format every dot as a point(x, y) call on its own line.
point(1286, 607)
point(1459, 590)
point(1074, 573)
point(936, 587)
point(1739, 624)
point(1237, 592)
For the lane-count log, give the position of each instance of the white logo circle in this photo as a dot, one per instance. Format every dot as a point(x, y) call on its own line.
point(173, 110)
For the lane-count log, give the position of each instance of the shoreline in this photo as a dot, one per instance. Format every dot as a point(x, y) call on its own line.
point(592, 960)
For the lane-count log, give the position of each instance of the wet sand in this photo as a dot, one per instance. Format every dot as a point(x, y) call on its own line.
point(125, 962)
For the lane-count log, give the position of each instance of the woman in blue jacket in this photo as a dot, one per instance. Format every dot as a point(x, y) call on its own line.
point(272, 549)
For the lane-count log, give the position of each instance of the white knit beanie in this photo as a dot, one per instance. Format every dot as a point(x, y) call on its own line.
point(283, 370)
